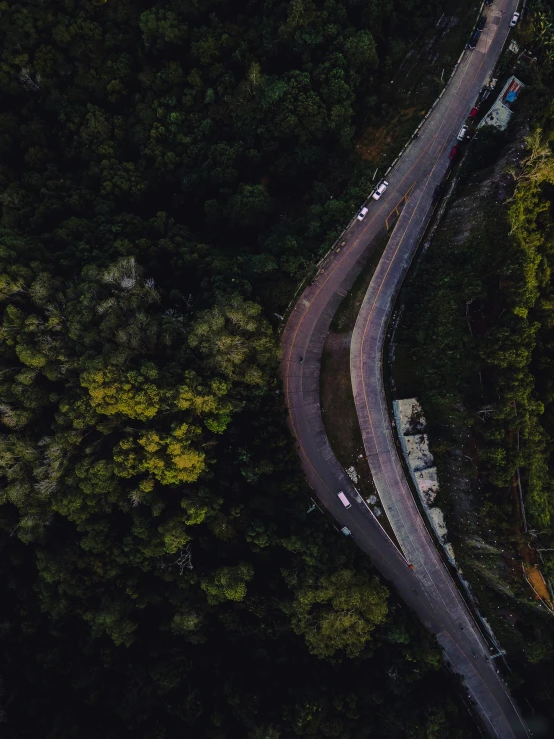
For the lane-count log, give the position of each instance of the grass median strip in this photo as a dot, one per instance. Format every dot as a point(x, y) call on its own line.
point(337, 400)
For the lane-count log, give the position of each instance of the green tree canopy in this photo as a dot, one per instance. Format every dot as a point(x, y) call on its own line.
point(337, 614)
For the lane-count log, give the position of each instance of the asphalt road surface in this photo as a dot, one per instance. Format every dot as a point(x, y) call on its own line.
point(427, 588)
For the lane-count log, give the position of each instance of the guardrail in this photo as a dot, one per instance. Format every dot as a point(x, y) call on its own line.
point(481, 624)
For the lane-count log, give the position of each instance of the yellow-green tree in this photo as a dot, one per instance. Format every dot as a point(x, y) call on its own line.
point(169, 458)
point(132, 394)
point(337, 614)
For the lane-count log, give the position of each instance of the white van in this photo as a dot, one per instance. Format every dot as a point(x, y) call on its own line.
point(344, 500)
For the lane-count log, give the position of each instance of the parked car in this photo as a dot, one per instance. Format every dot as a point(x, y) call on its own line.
point(462, 133)
point(362, 214)
point(474, 39)
point(473, 112)
point(483, 95)
point(454, 152)
point(380, 189)
point(488, 2)
point(482, 23)
point(514, 20)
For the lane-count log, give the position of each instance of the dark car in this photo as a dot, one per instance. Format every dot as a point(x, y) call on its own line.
point(454, 153)
point(483, 95)
point(474, 39)
point(488, 2)
point(437, 193)
point(482, 23)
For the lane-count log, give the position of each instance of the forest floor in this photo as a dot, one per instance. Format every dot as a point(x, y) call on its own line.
point(418, 80)
point(537, 582)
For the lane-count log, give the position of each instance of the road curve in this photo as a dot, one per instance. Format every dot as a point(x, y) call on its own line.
point(428, 589)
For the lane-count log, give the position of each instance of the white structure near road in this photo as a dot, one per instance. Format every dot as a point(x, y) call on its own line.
point(352, 474)
point(411, 423)
point(500, 113)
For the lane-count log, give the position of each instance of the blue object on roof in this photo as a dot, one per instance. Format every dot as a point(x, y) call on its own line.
point(511, 96)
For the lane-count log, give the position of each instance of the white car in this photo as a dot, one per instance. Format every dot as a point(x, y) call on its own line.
point(462, 133)
point(380, 189)
point(362, 214)
point(514, 20)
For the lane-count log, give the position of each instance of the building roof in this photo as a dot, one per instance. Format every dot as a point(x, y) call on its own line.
point(500, 113)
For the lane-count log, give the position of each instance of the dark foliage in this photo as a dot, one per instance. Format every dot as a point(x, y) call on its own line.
point(166, 175)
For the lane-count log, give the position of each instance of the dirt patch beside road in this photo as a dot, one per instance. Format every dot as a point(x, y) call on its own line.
point(337, 400)
point(339, 412)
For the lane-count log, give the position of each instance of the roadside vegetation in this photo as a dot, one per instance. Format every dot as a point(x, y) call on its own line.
point(169, 173)
point(417, 72)
point(477, 333)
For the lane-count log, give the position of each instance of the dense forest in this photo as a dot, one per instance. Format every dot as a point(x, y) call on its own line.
point(168, 172)
point(478, 328)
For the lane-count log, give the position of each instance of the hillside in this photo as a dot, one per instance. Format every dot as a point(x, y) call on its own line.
point(477, 331)
point(169, 172)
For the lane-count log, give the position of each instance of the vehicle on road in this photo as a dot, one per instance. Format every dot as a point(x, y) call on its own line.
point(454, 152)
point(301, 359)
point(514, 20)
point(474, 39)
point(306, 330)
point(483, 95)
point(380, 189)
point(346, 531)
point(462, 133)
point(344, 500)
point(362, 214)
point(488, 3)
point(482, 23)
point(473, 112)
point(437, 192)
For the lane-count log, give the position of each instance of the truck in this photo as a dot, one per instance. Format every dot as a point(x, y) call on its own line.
point(344, 500)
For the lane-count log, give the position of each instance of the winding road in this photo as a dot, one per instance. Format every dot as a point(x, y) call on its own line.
point(428, 588)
